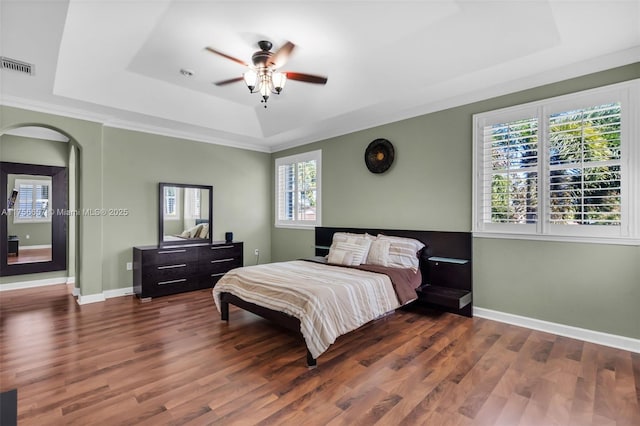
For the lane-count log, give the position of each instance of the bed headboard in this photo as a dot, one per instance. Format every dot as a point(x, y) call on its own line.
point(445, 244)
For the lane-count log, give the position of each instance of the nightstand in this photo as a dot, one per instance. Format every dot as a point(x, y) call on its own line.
point(449, 285)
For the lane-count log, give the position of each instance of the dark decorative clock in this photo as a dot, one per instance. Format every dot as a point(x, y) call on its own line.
point(379, 156)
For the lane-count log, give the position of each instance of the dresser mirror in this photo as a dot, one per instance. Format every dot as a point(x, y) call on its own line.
point(185, 214)
point(34, 218)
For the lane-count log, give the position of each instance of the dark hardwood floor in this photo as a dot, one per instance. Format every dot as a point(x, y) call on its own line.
point(172, 361)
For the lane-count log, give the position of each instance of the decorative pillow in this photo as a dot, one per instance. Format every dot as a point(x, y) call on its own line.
point(340, 257)
point(357, 247)
point(191, 232)
point(204, 231)
point(403, 252)
point(360, 244)
point(343, 236)
point(379, 253)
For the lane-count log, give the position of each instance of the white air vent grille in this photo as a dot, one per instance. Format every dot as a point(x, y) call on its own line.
point(13, 65)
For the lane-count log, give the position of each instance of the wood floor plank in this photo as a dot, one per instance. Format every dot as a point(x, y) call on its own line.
point(174, 362)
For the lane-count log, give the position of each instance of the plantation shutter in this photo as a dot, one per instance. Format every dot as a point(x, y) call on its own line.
point(33, 201)
point(25, 201)
point(585, 166)
point(297, 190)
point(510, 178)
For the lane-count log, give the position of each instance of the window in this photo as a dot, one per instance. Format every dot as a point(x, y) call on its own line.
point(171, 203)
point(298, 190)
point(562, 169)
point(33, 202)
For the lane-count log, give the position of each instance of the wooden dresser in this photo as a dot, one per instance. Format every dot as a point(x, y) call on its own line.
point(159, 271)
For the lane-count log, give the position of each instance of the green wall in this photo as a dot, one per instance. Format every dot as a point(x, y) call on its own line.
point(121, 169)
point(429, 187)
point(134, 164)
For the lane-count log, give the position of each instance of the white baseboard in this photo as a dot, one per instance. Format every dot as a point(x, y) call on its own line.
point(35, 283)
point(598, 337)
point(107, 294)
point(91, 298)
point(118, 292)
point(36, 247)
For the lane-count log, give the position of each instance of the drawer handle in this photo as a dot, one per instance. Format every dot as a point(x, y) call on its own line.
point(223, 260)
point(172, 251)
point(181, 280)
point(218, 275)
point(182, 265)
point(221, 247)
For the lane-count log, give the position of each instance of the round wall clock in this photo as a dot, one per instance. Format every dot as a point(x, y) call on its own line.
point(379, 156)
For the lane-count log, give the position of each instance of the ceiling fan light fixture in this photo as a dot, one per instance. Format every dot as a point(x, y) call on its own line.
point(263, 76)
point(250, 79)
point(279, 79)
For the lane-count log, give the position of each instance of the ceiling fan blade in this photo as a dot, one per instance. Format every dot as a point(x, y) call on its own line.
point(231, 80)
point(224, 55)
point(282, 55)
point(307, 78)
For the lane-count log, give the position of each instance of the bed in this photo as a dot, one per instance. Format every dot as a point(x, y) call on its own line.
point(331, 294)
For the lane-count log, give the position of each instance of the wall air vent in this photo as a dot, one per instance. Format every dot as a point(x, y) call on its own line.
point(13, 65)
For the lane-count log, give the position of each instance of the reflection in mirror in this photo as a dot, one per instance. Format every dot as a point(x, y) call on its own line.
point(34, 218)
point(29, 219)
point(185, 213)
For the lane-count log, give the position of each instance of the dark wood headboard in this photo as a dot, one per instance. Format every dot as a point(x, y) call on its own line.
point(438, 244)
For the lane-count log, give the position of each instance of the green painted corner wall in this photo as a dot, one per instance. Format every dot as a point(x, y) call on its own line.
point(120, 169)
point(134, 164)
point(429, 187)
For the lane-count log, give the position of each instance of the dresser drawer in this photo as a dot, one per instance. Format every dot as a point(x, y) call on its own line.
point(169, 271)
point(169, 256)
point(218, 266)
point(220, 252)
point(165, 287)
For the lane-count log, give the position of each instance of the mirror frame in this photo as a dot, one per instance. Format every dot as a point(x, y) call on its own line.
point(161, 242)
point(60, 189)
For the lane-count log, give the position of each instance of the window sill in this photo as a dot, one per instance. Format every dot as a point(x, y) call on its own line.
point(559, 238)
point(309, 227)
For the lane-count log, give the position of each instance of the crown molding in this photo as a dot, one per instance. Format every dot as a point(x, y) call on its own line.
point(110, 121)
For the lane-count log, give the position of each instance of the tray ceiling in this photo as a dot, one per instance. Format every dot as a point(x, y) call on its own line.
point(119, 62)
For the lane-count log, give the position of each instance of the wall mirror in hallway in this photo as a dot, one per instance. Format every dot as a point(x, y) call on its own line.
point(33, 218)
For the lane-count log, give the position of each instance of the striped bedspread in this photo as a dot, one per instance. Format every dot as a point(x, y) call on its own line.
point(329, 301)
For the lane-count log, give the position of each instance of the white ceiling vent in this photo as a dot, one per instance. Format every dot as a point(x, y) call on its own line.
point(13, 65)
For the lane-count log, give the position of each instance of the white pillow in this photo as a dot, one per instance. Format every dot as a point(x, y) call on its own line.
point(362, 241)
point(379, 253)
point(343, 236)
point(403, 252)
point(192, 232)
point(358, 247)
point(204, 232)
point(340, 257)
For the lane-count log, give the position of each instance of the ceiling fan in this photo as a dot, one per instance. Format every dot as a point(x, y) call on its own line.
point(263, 76)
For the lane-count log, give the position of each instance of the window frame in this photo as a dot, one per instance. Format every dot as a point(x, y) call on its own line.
point(297, 159)
point(628, 233)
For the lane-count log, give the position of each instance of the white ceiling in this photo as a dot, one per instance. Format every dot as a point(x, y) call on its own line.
point(118, 62)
